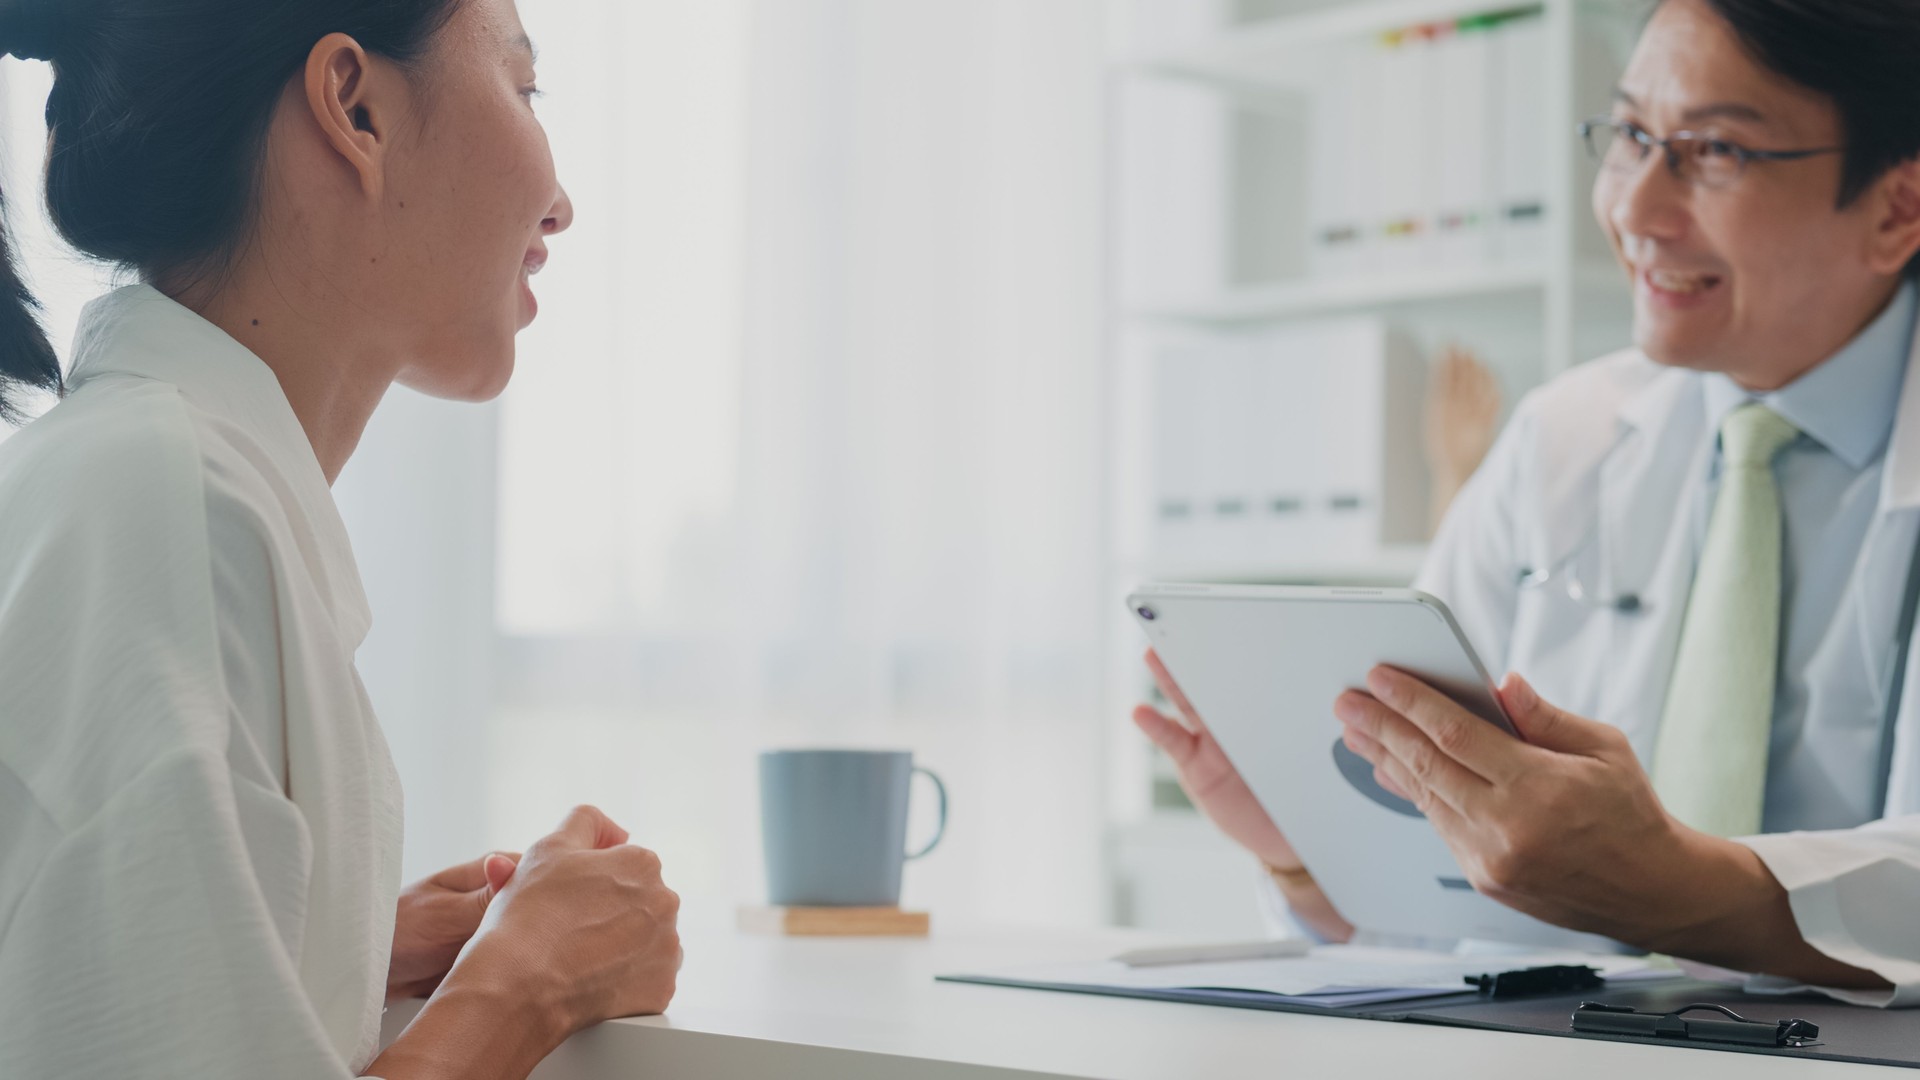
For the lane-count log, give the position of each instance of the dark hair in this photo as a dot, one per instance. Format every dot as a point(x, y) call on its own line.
point(158, 119)
point(1863, 55)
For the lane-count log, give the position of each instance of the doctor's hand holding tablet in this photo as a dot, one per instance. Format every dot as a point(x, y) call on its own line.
point(1545, 812)
point(1704, 553)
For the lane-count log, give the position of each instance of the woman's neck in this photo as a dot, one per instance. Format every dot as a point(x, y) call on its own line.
point(333, 369)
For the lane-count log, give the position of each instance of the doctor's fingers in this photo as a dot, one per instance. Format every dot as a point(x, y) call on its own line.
point(1392, 737)
point(1391, 773)
point(1374, 752)
point(1164, 679)
point(1481, 747)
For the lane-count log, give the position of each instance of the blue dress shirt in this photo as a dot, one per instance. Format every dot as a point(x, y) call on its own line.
point(1823, 759)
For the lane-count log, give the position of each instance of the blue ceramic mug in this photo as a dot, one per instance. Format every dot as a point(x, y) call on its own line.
point(835, 825)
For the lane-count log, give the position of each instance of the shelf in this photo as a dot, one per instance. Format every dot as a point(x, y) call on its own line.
point(1295, 299)
point(1266, 53)
point(1292, 299)
point(1395, 566)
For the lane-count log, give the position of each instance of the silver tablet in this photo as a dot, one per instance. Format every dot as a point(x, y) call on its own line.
point(1263, 665)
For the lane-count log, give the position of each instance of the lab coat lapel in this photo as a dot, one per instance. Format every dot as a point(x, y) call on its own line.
point(1886, 558)
point(1644, 536)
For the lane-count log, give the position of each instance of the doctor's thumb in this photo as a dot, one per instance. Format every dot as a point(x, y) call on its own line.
point(1548, 726)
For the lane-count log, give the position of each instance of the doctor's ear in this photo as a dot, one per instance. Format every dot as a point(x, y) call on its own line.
point(1896, 217)
point(353, 99)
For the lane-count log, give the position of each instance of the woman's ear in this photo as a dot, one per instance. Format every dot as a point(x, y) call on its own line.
point(1896, 234)
point(341, 96)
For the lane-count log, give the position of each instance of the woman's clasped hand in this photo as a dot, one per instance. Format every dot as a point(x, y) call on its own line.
point(585, 922)
point(579, 929)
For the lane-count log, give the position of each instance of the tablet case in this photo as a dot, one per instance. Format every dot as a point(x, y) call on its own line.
point(1848, 1033)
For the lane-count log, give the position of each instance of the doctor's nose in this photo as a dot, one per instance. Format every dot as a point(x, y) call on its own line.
point(1648, 202)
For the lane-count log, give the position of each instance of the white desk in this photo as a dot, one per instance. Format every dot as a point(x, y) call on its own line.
point(868, 1009)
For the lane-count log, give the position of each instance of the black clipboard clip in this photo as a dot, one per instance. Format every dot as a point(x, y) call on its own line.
point(1596, 1018)
point(1527, 982)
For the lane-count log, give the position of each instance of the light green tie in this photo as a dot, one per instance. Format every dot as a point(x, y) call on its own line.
point(1710, 760)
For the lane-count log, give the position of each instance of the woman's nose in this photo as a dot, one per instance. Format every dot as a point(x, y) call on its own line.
point(559, 216)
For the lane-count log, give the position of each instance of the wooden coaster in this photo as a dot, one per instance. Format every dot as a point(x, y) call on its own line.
point(834, 921)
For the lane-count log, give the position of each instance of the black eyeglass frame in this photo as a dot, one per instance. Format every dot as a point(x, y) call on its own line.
point(1743, 155)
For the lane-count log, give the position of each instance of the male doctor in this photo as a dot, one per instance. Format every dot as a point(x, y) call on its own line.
point(1704, 543)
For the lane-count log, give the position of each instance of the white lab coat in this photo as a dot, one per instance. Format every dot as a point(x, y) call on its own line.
point(1600, 467)
point(199, 818)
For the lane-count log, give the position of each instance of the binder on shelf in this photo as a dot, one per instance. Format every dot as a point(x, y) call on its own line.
point(1367, 157)
point(1520, 45)
point(1334, 231)
point(1230, 455)
point(1370, 489)
point(1296, 446)
point(1460, 146)
point(1176, 433)
point(1405, 182)
point(1290, 399)
point(1343, 467)
point(1429, 148)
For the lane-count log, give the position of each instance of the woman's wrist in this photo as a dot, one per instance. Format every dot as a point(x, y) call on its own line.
point(482, 1023)
point(1309, 902)
point(1289, 875)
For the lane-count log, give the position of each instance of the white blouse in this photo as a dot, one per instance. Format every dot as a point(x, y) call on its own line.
point(199, 818)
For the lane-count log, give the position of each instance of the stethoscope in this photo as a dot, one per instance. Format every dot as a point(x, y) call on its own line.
point(1568, 579)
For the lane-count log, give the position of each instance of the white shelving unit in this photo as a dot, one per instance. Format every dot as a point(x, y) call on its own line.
point(1386, 292)
point(1214, 110)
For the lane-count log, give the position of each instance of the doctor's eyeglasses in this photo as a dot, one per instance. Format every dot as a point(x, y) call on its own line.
point(1622, 146)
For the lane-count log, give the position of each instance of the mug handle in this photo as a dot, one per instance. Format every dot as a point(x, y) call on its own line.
point(939, 830)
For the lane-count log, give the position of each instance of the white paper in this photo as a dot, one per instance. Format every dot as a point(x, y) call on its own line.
point(1340, 974)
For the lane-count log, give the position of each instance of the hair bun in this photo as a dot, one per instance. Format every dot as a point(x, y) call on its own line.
point(31, 29)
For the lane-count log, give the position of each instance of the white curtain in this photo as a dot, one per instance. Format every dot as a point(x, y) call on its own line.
point(806, 448)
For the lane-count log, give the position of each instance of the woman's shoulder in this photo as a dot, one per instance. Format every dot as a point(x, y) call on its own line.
point(107, 632)
point(126, 458)
point(115, 455)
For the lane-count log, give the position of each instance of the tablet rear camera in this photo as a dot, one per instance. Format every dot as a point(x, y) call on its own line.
point(1147, 613)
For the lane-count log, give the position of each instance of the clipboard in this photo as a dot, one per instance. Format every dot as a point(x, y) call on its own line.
point(1848, 1033)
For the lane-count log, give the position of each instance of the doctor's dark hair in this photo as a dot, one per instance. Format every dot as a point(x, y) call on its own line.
point(158, 119)
point(1863, 55)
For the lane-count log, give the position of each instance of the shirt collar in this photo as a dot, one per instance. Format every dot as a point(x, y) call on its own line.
point(139, 331)
point(1847, 403)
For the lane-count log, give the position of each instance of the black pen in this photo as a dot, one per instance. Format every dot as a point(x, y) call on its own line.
point(1598, 1018)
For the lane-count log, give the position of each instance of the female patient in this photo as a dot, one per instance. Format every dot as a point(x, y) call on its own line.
point(199, 820)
